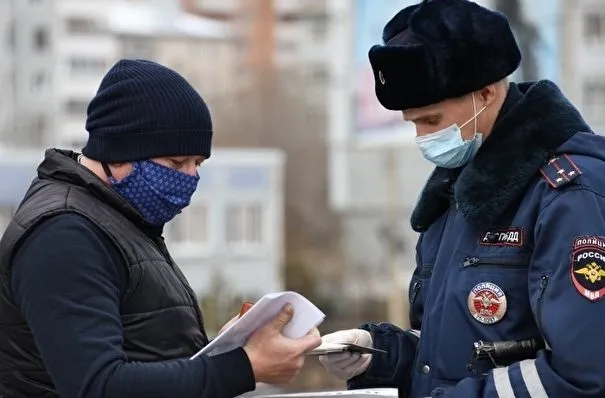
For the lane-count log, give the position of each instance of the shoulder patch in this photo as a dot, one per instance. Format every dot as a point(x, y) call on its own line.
point(560, 170)
point(587, 268)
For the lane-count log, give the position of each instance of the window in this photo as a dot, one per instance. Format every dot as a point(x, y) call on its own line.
point(87, 66)
point(76, 107)
point(320, 73)
point(319, 29)
point(286, 46)
point(77, 145)
point(41, 39)
point(10, 36)
point(78, 25)
point(37, 130)
point(594, 101)
point(191, 226)
point(39, 80)
point(244, 226)
point(138, 48)
point(594, 28)
point(40, 123)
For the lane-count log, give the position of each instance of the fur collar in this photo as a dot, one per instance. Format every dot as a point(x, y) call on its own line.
point(522, 141)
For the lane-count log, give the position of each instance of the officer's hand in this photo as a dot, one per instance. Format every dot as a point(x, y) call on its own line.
point(346, 365)
point(275, 358)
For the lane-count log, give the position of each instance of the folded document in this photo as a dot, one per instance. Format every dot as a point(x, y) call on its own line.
point(331, 348)
point(306, 317)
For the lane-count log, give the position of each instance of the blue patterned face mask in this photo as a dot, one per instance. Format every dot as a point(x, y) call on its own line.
point(158, 192)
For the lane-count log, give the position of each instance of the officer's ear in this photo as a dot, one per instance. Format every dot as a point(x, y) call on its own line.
point(488, 94)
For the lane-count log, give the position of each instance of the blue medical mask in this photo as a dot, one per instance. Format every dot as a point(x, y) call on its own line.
point(446, 148)
point(158, 192)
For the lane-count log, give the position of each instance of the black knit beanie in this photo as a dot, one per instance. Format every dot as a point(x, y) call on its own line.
point(144, 110)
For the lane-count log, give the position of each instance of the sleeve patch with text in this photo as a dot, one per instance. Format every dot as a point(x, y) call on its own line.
point(588, 266)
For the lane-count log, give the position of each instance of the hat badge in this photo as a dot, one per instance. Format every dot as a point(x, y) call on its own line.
point(381, 78)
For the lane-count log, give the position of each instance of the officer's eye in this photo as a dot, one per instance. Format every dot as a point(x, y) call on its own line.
point(428, 120)
point(433, 120)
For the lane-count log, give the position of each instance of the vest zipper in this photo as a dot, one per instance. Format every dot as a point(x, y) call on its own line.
point(164, 249)
point(471, 261)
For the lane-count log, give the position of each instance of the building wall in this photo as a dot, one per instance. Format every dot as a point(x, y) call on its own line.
point(62, 49)
point(237, 214)
point(583, 40)
point(33, 41)
point(85, 51)
point(379, 216)
point(300, 35)
point(6, 68)
point(210, 65)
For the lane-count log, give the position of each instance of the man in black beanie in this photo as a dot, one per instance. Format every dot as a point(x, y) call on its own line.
point(91, 303)
point(506, 298)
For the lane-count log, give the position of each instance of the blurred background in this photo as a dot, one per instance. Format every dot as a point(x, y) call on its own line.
point(311, 184)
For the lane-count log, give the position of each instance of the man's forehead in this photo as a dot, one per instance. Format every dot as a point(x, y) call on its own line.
point(184, 158)
point(417, 113)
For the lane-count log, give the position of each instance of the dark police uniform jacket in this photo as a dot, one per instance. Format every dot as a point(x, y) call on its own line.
point(511, 247)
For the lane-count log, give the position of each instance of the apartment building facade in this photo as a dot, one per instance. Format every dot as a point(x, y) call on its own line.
point(582, 39)
point(27, 71)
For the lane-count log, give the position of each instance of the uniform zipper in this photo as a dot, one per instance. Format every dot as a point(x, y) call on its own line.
point(472, 261)
point(415, 290)
point(544, 279)
point(448, 219)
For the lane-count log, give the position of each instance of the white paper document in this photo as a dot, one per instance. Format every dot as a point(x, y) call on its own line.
point(369, 393)
point(306, 317)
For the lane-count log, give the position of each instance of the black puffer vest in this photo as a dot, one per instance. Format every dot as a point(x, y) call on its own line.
point(160, 314)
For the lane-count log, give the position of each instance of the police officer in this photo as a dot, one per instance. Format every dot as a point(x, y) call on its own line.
point(511, 251)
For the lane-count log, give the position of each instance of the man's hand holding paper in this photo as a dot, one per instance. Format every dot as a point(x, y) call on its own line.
point(275, 358)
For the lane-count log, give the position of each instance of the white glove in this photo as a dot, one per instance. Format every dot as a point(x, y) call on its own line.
point(346, 365)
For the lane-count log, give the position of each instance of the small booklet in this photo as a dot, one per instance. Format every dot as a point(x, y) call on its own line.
point(331, 348)
point(306, 317)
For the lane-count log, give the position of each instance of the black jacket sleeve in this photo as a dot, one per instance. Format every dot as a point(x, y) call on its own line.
point(67, 285)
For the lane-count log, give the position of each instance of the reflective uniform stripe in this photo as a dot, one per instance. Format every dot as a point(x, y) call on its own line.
point(414, 332)
point(531, 378)
point(502, 383)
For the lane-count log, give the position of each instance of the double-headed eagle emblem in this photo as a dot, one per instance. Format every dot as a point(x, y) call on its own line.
point(486, 300)
point(592, 272)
